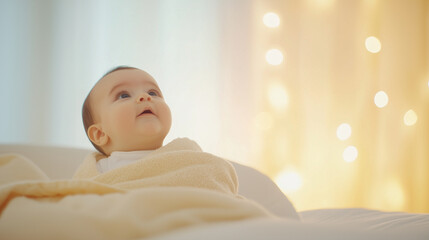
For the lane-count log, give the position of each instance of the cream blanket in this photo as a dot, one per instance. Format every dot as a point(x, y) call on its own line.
point(175, 186)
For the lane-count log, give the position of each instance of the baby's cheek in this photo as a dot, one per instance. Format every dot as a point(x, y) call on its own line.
point(124, 118)
point(165, 111)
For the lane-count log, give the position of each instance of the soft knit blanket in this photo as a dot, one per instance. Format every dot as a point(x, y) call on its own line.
point(175, 186)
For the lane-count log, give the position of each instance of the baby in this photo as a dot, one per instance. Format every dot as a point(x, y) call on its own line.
point(125, 116)
point(124, 192)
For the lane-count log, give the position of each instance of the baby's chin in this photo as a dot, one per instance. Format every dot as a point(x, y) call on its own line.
point(149, 129)
point(145, 135)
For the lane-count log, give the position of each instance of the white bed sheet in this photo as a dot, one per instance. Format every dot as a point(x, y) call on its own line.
point(367, 219)
point(276, 229)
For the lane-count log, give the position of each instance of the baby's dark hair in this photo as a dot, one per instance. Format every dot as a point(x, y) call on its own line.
point(87, 117)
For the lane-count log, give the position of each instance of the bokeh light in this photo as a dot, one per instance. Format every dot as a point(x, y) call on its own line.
point(274, 57)
point(372, 44)
point(410, 117)
point(350, 154)
point(381, 99)
point(344, 131)
point(289, 181)
point(271, 20)
point(277, 96)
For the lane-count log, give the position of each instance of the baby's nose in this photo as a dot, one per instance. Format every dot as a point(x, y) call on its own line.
point(144, 97)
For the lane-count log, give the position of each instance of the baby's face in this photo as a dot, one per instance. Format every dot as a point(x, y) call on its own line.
point(128, 107)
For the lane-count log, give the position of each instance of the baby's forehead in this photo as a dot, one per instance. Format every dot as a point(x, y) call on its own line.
point(123, 76)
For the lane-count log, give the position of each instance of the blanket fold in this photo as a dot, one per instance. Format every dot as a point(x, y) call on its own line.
point(175, 186)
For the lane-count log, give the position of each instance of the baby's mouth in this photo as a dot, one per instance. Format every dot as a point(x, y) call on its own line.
point(145, 112)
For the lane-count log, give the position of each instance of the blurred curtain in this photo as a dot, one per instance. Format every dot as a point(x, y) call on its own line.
point(331, 78)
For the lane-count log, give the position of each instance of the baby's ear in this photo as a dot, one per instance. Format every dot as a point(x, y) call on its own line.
point(97, 136)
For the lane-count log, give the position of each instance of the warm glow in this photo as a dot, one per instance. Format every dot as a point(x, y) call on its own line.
point(263, 121)
point(289, 181)
point(394, 195)
point(410, 118)
point(274, 57)
point(321, 4)
point(350, 154)
point(381, 99)
point(344, 131)
point(277, 96)
point(271, 20)
point(372, 44)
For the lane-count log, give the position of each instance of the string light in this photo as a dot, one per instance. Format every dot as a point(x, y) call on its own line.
point(289, 181)
point(410, 117)
point(274, 57)
point(350, 153)
point(344, 131)
point(271, 20)
point(381, 99)
point(372, 44)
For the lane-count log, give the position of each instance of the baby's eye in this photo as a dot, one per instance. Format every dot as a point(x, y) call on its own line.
point(123, 95)
point(153, 93)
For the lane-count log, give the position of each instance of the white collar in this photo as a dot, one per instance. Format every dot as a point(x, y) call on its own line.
point(118, 159)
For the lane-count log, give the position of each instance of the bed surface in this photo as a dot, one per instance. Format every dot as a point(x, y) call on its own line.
point(367, 219)
point(272, 229)
point(348, 223)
